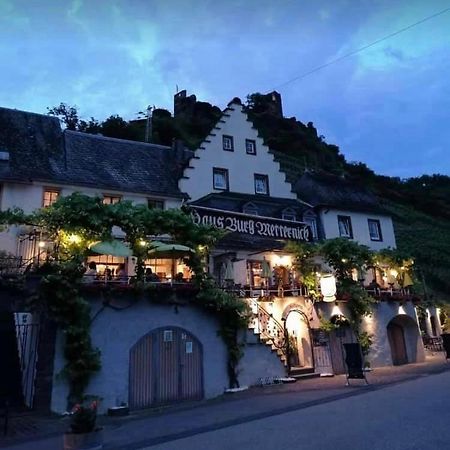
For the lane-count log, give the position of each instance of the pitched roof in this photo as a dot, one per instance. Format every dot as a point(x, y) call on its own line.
point(325, 190)
point(40, 151)
point(266, 206)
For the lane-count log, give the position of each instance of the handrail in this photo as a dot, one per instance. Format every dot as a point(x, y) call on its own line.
point(269, 328)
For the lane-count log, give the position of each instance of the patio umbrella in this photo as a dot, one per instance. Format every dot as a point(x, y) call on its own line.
point(170, 251)
point(113, 248)
point(228, 273)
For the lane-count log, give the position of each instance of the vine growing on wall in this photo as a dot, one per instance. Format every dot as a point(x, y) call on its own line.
point(76, 221)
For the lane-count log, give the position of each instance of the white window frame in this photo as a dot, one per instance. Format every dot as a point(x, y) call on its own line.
point(261, 177)
point(224, 172)
point(378, 236)
point(345, 226)
point(289, 214)
point(250, 147)
point(228, 143)
point(51, 200)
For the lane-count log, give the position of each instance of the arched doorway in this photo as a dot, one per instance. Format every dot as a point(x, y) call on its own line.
point(403, 335)
point(297, 326)
point(166, 366)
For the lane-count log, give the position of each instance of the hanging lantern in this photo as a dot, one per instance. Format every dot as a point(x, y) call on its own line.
point(328, 288)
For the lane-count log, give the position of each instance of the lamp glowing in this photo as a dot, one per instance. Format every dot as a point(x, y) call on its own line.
point(74, 239)
point(328, 288)
point(41, 244)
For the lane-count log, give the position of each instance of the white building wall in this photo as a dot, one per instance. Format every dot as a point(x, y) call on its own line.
point(329, 218)
point(115, 332)
point(29, 197)
point(241, 166)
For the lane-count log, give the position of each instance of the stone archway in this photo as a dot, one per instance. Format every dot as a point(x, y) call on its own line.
point(403, 336)
point(298, 329)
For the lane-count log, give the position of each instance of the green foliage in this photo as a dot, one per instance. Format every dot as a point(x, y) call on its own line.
point(77, 220)
point(233, 314)
point(344, 256)
point(59, 297)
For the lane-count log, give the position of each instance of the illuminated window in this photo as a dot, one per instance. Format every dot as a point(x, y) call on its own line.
point(155, 204)
point(228, 144)
point(345, 226)
point(111, 199)
point(374, 230)
point(250, 147)
point(220, 179)
point(261, 184)
point(50, 197)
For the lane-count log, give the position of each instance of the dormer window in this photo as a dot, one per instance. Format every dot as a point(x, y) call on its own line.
point(228, 144)
point(289, 214)
point(261, 184)
point(250, 208)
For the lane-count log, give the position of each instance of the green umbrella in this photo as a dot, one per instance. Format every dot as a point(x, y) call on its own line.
point(113, 248)
point(170, 251)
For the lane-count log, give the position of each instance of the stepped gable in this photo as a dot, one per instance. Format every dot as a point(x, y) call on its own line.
point(118, 164)
point(32, 142)
point(325, 190)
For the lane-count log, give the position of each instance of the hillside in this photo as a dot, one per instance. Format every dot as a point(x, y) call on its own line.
point(419, 206)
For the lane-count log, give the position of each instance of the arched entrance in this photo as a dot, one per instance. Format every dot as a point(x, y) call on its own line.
point(299, 332)
point(403, 335)
point(166, 366)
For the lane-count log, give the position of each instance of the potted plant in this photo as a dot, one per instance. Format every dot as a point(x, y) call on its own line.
point(83, 432)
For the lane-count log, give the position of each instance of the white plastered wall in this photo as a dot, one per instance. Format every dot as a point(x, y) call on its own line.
point(329, 218)
point(241, 166)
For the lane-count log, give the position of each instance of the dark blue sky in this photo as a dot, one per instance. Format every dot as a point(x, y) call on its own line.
point(387, 106)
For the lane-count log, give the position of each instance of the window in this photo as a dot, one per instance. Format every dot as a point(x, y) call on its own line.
point(250, 147)
point(220, 179)
point(227, 142)
point(289, 214)
point(50, 197)
point(374, 230)
point(345, 227)
point(111, 199)
point(261, 184)
point(250, 208)
point(311, 221)
point(155, 204)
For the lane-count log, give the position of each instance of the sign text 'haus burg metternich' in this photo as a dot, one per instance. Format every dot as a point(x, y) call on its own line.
point(251, 225)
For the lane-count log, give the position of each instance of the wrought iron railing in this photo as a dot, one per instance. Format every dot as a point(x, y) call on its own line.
point(269, 330)
point(272, 291)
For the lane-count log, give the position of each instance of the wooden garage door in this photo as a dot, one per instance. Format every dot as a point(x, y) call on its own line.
point(166, 366)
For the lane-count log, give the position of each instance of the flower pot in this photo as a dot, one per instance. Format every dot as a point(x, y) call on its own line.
point(84, 441)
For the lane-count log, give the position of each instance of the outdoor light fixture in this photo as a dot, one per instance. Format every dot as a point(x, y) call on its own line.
point(41, 244)
point(328, 287)
point(142, 243)
point(74, 239)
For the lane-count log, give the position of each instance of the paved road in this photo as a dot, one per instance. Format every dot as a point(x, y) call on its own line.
point(410, 415)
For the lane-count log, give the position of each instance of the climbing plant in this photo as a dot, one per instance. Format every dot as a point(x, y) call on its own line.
point(74, 222)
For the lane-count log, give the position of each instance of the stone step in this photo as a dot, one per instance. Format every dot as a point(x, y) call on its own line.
point(305, 376)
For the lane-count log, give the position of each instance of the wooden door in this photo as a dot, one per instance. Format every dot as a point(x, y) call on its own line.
point(166, 366)
point(397, 342)
point(339, 337)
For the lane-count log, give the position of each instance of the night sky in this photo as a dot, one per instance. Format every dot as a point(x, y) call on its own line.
point(388, 106)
